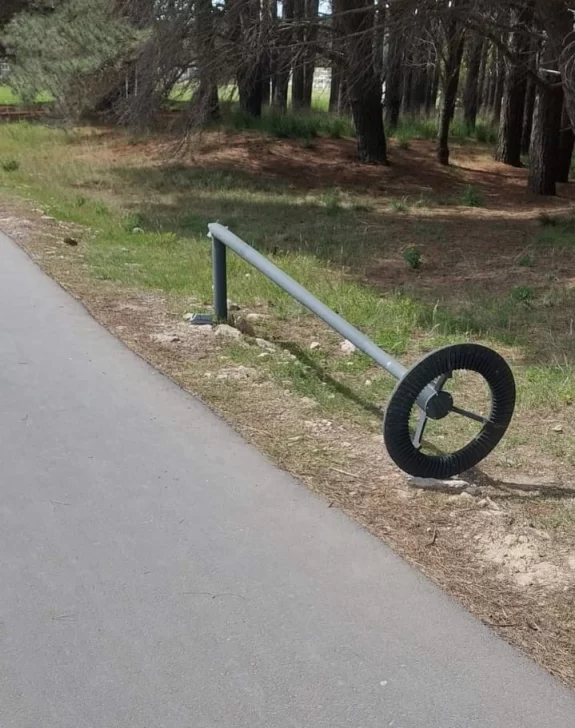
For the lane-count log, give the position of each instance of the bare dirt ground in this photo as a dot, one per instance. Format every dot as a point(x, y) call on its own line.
point(485, 546)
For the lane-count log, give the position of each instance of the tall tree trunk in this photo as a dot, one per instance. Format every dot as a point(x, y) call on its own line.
point(545, 141)
point(250, 88)
point(363, 83)
point(481, 91)
point(499, 85)
point(298, 74)
point(283, 57)
point(310, 53)
point(407, 82)
point(528, 116)
point(432, 90)
point(565, 150)
point(394, 72)
point(455, 41)
point(379, 39)
point(471, 91)
point(205, 105)
point(334, 84)
point(491, 82)
point(508, 148)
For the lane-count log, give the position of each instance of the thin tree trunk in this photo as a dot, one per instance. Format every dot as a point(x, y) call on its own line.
point(311, 30)
point(283, 60)
point(528, 116)
point(406, 85)
point(545, 141)
point(335, 83)
point(471, 90)
point(298, 74)
point(499, 85)
point(508, 148)
point(343, 103)
point(393, 78)
point(565, 151)
point(481, 92)
point(431, 100)
point(455, 41)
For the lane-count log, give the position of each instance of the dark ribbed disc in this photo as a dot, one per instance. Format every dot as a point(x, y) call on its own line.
point(470, 357)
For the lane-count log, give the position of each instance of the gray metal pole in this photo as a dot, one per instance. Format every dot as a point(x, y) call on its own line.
point(224, 237)
point(219, 280)
point(301, 294)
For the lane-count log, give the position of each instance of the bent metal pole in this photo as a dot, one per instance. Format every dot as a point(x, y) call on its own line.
point(222, 236)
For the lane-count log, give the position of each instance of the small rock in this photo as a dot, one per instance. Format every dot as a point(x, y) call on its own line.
point(289, 355)
point(368, 382)
point(233, 306)
point(347, 347)
point(264, 355)
point(315, 345)
point(255, 318)
point(228, 332)
point(137, 230)
point(264, 344)
point(71, 241)
point(242, 324)
point(188, 316)
point(558, 428)
point(174, 339)
point(472, 490)
point(481, 503)
point(466, 497)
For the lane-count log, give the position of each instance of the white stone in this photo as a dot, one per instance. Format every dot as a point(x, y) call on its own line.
point(255, 318)
point(314, 345)
point(264, 344)
point(228, 332)
point(347, 347)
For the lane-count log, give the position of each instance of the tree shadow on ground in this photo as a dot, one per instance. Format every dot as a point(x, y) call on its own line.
point(483, 274)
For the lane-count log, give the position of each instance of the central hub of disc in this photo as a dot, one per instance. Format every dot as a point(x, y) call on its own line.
point(439, 406)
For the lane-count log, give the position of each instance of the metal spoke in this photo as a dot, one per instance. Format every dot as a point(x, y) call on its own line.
point(440, 381)
point(469, 415)
point(419, 430)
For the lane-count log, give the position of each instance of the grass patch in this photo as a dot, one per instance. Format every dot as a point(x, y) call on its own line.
point(10, 98)
point(470, 197)
point(558, 232)
point(148, 224)
point(290, 125)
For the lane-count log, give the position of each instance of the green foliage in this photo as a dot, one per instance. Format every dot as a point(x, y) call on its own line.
point(10, 165)
point(470, 197)
point(558, 232)
point(399, 205)
point(71, 53)
point(525, 261)
point(290, 125)
point(402, 139)
point(332, 202)
point(522, 294)
point(412, 257)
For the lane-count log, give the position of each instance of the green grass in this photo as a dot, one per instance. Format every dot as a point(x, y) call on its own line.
point(426, 128)
point(289, 125)
point(470, 197)
point(10, 97)
point(320, 237)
